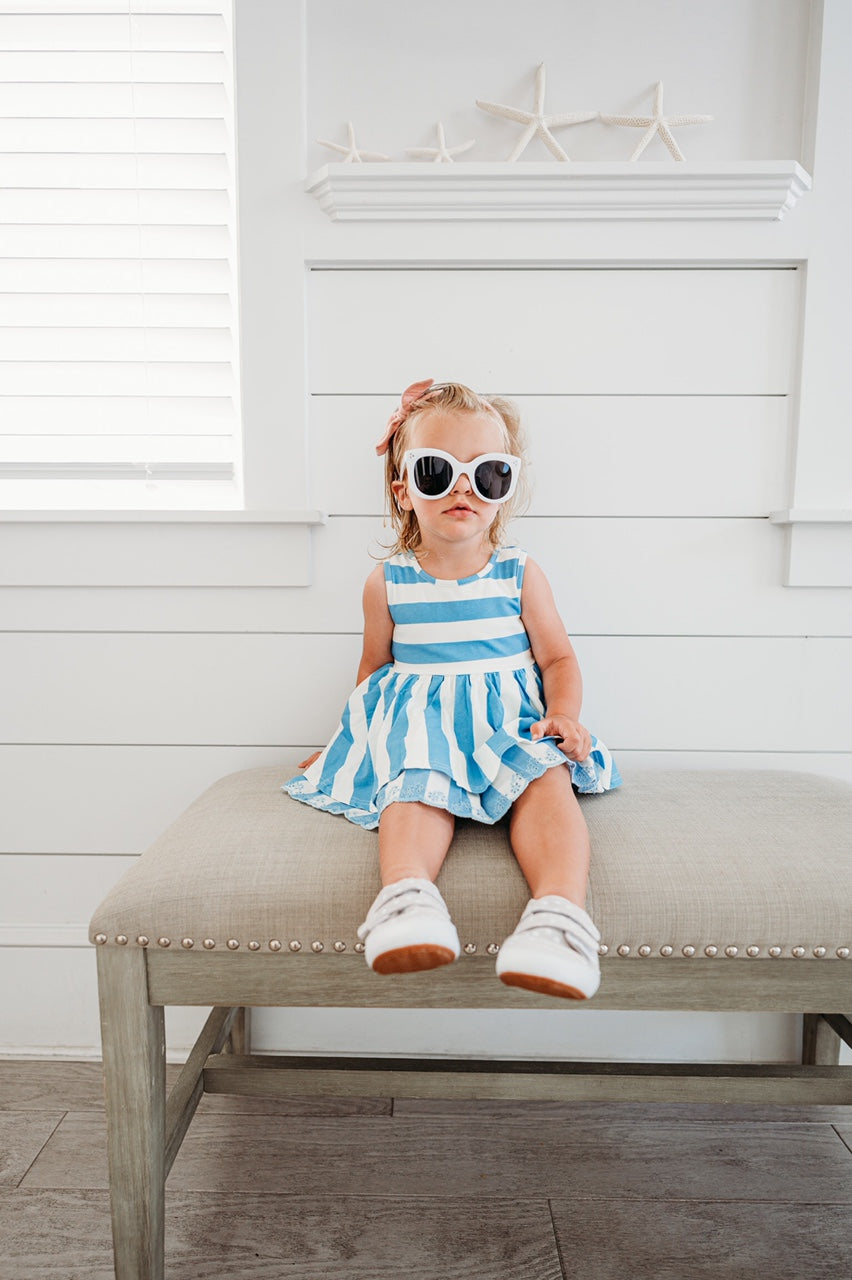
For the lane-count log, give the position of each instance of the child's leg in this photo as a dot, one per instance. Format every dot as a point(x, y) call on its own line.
point(408, 927)
point(550, 838)
point(413, 841)
point(554, 949)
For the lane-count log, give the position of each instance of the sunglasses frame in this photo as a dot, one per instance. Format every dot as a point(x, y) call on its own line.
point(413, 456)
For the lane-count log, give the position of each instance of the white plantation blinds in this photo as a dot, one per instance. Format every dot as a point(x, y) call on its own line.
point(118, 301)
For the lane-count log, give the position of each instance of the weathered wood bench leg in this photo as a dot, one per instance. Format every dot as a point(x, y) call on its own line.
point(133, 1039)
point(820, 1043)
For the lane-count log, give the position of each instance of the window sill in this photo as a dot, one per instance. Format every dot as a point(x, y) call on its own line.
point(588, 191)
point(157, 548)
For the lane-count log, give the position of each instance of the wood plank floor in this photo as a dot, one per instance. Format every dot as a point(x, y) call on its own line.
point(372, 1190)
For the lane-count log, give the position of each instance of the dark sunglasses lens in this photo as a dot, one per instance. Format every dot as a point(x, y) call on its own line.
point(494, 479)
point(432, 476)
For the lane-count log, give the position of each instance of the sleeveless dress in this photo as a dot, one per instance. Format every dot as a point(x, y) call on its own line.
point(448, 721)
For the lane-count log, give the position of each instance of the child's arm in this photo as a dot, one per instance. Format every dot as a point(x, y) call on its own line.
point(554, 654)
point(378, 625)
point(378, 630)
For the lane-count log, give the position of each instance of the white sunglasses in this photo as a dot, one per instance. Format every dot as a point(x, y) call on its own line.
point(433, 474)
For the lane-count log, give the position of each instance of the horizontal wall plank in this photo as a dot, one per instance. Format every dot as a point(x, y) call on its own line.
point(112, 800)
point(43, 898)
point(648, 332)
point(643, 692)
point(590, 455)
point(109, 801)
point(156, 553)
point(610, 576)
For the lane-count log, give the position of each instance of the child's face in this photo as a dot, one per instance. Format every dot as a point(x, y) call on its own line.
point(460, 516)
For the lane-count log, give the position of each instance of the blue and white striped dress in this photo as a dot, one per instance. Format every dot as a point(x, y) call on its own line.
point(448, 721)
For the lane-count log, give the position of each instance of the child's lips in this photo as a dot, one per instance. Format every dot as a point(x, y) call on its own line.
point(459, 508)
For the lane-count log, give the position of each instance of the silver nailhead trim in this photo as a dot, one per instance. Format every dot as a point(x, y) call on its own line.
point(732, 951)
point(470, 948)
point(142, 940)
point(689, 950)
point(603, 949)
point(644, 950)
point(295, 945)
point(121, 939)
point(666, 950)
point(711, 951)
point(775, 952)
point(317, 947)
point(843, 953)
point(208, 944)
point(187, 943)
point(164, 942)
point(819, 952)
point(623, 949)
point(339, 947)
point(798, 952)
point(254, 946)
point(100, 939)
point(360, 948)
point(274, 944)
point(493, 948)
point(233, 944)
point(752, 951)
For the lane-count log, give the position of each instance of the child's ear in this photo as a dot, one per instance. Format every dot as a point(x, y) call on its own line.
point(400, 492)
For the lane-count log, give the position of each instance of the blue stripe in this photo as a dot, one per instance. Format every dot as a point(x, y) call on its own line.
point(437, 745)
point(461, 651)
point(456, 610)
point(395, 743)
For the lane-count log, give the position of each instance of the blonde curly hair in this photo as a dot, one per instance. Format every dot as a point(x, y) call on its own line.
point(452, 397)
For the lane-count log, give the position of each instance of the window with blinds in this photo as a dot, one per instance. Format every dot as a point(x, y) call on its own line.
point(119, 376)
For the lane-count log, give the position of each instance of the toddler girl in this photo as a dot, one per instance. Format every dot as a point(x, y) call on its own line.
point(467, 704)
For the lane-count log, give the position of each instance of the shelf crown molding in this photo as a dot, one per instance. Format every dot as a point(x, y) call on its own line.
point(589, 191)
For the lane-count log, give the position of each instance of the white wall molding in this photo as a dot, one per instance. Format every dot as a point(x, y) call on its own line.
point(157, 549)
point(476, 191)
point(819, 546)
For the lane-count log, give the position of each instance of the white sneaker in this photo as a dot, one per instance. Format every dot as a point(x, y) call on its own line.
point(408, 928)
point(553, 950)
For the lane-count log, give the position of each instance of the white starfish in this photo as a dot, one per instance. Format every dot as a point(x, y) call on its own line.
point(442, 154)
point(536, 121)
point(352, 154)
point(657, 123)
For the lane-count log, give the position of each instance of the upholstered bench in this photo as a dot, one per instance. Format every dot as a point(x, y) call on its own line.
point(712, 891)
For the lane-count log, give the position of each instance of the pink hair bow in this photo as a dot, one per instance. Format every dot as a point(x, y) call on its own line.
point(409, 396)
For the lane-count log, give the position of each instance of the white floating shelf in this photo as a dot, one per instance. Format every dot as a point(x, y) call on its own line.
point(557, 191)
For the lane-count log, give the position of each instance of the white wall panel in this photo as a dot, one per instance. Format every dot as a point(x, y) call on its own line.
point(111, 800)
point(660, 576)
point(590, 455)
point(650, 692)
point(547, 332)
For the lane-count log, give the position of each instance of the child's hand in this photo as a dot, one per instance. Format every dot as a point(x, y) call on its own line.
point(306, 764)
point(575, 739)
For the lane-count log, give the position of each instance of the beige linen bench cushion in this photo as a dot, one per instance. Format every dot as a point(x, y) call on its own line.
point(683, 864)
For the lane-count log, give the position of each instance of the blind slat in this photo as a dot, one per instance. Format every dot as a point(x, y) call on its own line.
point(117, 415)
point(115, 378)
point(54, 311)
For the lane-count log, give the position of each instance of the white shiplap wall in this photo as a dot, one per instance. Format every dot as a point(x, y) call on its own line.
point(657, 370)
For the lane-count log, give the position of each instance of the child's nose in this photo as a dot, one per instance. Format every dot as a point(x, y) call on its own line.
point(462, 482)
